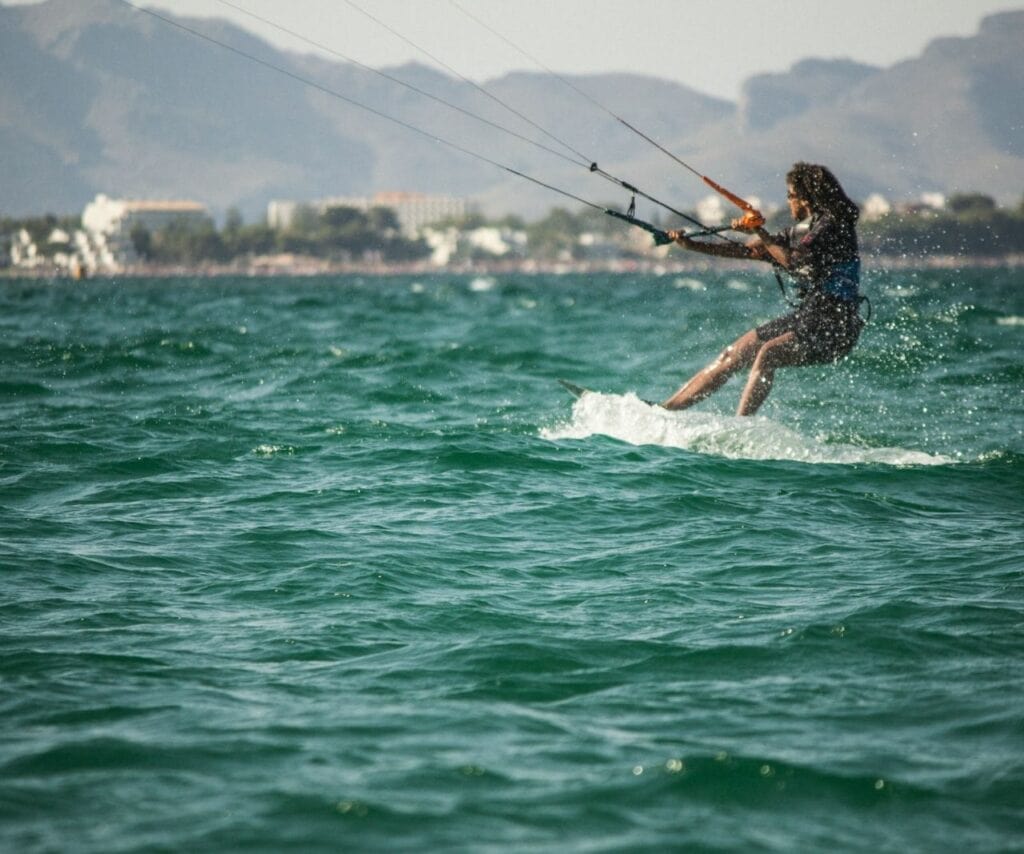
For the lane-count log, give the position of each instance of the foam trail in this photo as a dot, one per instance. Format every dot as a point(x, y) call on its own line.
point(629, 419)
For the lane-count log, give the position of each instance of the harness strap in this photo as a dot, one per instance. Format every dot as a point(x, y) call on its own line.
point(776, 267)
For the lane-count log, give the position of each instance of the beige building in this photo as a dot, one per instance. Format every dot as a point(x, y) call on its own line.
point(412, 210)
point(108, 225)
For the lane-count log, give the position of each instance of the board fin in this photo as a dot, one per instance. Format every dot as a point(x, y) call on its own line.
point(573, 389)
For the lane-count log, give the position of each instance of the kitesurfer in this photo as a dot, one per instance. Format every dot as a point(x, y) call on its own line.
point(820, 252)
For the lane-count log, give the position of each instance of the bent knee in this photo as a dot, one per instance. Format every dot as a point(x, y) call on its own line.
point(776, 352)
point(725, 357)
point(741, 352)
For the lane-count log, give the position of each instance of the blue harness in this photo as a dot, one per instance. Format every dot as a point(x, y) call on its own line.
point(844, 281)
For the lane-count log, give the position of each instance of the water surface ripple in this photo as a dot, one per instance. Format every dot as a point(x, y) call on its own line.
point(335, 564)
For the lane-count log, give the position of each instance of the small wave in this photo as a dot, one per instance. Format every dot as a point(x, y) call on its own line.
point(685, 282)
point(272, 450)
point(23, 389)
point(629, 419)
point(1011, 320)
point(482, 284)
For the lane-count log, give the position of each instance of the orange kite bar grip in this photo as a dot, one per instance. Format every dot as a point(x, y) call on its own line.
point(750, 221)
point(753, 218)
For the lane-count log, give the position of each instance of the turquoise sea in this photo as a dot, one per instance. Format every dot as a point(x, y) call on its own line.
point(334, 564)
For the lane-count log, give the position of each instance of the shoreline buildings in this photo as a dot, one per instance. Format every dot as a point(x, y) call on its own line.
point(109, 223)
point(414, 211)
point(113, 232)
point(105, 243)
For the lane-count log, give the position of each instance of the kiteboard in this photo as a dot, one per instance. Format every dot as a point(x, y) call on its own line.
point(578, 391)
point(573, 389)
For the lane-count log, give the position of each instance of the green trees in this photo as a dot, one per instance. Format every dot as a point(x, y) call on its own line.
point(340, 234)
point(971, 225)
point(976, 204)
point(344, 233)
point(586, 233)
point(554, 236)
point(142, 241)
point(39, 229)
point(182, 241)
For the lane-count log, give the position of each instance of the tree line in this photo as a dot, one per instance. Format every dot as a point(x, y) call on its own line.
point(971, 224)
point(338, 233)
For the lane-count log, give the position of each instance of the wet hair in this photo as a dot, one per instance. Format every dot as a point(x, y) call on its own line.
point(821, 190)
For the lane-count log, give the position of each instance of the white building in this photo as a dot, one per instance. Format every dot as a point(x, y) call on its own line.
point(711, 210)
point(935, 200)
point(281, 214)
point(412, 210)
point(113, 217)
point(24, 252)
point(108, 224)
point(875, 207)
point(445, 245)
point(715, 210)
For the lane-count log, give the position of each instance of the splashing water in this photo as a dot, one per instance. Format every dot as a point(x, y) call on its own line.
point(627, 418)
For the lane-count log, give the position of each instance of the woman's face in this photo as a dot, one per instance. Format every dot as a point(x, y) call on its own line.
point(798, 208)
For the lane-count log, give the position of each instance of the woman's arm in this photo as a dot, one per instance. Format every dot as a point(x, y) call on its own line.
point(757, 249)
point(770, 250)
point(721, 250)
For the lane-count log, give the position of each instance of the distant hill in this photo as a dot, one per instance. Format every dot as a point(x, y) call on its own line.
point(97, 97)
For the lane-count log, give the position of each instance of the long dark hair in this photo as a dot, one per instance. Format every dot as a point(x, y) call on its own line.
point(822, 191)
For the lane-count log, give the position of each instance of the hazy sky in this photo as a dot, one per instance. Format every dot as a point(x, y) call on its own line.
point(711, 46)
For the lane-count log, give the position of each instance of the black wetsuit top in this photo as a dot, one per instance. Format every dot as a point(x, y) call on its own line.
point(825, 262)
point(824, 256)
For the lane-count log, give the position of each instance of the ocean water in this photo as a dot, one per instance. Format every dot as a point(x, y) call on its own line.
point(335, 565)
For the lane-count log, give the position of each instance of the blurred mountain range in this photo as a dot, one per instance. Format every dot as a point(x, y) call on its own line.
point(98, 97)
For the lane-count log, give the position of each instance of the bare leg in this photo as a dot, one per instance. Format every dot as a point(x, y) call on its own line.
point(733, 358)
point(779, 352)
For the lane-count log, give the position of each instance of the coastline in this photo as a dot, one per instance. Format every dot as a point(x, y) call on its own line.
point(309, 267)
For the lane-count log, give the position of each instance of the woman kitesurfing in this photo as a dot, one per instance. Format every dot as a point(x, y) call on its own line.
point(820, 252)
